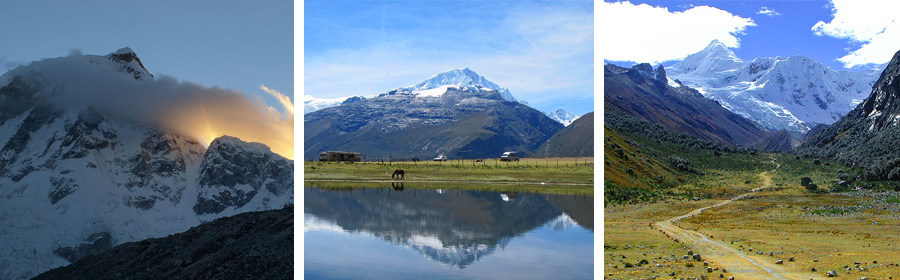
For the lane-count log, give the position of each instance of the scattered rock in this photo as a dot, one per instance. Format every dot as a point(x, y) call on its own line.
point(696, 257)
point(779, 262)
point(805, 181)
point(831, 273)
point(791, 259)
point(813, 269)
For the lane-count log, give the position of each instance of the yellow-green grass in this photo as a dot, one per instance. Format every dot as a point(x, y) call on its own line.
point(627, 231)
point(835, 229)
point(574, 175)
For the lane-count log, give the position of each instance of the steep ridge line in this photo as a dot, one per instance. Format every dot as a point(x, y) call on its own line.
point(736, 262)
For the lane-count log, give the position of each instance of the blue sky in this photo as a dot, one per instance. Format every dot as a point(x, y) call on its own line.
point(541, 51)
point(230, 44)
point(841, 34)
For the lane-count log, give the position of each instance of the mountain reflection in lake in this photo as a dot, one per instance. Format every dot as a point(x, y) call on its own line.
point(407, 233)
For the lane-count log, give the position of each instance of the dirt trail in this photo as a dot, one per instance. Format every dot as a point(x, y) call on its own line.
point(739, 264)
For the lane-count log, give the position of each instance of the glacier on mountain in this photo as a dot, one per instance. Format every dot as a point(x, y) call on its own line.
point(562, 116)
point(793, 93)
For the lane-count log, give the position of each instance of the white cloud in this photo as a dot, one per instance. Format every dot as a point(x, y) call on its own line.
point(873, 25)
point(643, 33)
point(766, 11)
point(284, 100)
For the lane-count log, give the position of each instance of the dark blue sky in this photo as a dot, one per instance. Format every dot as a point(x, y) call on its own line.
point(229, 44)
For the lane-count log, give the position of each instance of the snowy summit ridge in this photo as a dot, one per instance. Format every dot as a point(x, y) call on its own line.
point(463, 79)
point(793, 93)
point(460, 78)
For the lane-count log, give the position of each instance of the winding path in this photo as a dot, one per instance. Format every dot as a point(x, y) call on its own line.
point(738, 263)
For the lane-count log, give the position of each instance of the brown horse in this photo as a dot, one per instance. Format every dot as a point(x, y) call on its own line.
point(398, 173)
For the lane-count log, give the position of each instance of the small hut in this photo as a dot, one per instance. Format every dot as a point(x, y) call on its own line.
point(339, 156)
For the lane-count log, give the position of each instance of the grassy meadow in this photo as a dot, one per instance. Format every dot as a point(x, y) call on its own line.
point(549, 175)
point(853, 232)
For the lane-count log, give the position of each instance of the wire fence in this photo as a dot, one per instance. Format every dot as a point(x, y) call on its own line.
point(477, 162)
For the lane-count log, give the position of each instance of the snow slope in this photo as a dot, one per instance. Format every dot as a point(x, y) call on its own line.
point(793, 93)
point(562, 116)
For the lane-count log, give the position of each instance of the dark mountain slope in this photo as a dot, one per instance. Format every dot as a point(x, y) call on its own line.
point(575, 140)
point(253, 245)
point(642, 92)
point(460, 122)
point(867, 136)
point(780, 141)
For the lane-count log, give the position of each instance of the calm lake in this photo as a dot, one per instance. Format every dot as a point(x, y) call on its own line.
point(380, 232)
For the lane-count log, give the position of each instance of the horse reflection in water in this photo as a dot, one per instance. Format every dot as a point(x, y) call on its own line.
point(398, 187)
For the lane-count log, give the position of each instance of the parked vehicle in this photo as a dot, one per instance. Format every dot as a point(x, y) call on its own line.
point(440, 158)
point(509, 156)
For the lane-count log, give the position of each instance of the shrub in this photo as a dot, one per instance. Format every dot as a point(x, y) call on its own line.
point(628, 264)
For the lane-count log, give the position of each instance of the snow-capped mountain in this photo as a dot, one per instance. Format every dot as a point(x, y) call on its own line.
point(78, 178)
point(793, 93)
point(562, 116)
point(462, 79)
point(455, 113)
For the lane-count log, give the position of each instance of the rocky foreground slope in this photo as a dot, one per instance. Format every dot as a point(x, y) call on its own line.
point(253, 245)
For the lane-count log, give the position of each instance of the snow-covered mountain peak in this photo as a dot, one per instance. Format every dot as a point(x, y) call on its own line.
point(459, 78)
point(792, 93)
point(562, 116)
point(714, 58)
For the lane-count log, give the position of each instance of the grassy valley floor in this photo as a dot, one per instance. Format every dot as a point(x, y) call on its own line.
point(853, 233)
point(544, 175)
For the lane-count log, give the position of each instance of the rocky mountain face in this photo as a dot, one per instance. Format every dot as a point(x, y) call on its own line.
point(647, 93)
point(575, 140)
point(77, 179)
point(867, 136)
point(469, 120)
point(779, 141)
point(562, 116)
point(253, 245)
point(793, 93)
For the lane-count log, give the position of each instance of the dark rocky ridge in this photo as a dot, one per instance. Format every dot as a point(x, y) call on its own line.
point(867, 136)
point(253, 245)
point(780, 141)
point(644, 93)
point(575, 140)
